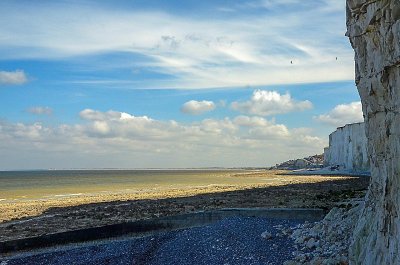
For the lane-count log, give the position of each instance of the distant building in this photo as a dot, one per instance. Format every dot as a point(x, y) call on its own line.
point(315, 161)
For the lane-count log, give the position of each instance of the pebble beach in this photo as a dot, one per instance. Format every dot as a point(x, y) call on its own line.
point(29, 218)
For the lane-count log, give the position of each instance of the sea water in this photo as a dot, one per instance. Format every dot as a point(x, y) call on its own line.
point(26, 185)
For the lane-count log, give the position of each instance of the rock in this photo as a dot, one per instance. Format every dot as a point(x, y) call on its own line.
point(327, 240)
point(290, 262)
point(287, 231)
point(300, 240)
point(312, 243)
point(296, 253)
point(374, 31)
point(316, 261)
point(266, 235)
point(330, 261)
point(296, 233)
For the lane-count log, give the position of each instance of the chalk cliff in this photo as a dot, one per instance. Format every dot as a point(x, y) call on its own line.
point(374, 32)
point(348, 148)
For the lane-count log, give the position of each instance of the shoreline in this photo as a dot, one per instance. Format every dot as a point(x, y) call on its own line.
point(327, 172)
point(43, 185)
point(32, 218)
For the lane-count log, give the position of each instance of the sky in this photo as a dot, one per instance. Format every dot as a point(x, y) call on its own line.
point(171, 84)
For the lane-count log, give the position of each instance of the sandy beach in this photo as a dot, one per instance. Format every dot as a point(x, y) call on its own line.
point(28, 218)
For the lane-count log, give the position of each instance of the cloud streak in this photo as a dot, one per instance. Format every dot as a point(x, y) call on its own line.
point(40, 110)
point(246, 48)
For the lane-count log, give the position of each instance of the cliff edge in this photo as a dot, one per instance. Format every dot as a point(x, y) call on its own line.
point(374, 32)
point(348, 149)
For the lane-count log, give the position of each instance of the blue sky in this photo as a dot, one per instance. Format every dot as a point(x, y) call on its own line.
point(137, 84)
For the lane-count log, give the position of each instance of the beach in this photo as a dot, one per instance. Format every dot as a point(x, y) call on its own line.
point(233, 240)
point(33, 217)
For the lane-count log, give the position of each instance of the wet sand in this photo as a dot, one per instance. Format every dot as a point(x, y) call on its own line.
point(28, 218)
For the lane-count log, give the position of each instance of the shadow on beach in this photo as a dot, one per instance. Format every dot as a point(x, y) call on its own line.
point(324, 195)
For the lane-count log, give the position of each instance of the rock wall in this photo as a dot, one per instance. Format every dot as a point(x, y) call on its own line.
point(348, 148)
point(374, 32)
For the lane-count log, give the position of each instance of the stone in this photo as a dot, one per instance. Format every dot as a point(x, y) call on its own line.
point(316, 261)
point(300, 240)
point(330, 261)
point(266, 235)
point(312, 243)
point(301, 258)
point(290, 262)
point(327, 240)
point(296, 253)
point(373, 28)
point(287, 231)
point(296, 233)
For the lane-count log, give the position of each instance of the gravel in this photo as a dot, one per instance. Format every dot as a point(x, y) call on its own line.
point(235, 240)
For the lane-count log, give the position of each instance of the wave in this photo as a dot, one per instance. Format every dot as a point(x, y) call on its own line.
point(67, 195)
point(64, 195)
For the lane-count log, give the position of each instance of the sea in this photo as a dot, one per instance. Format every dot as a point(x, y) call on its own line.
point(44, 184)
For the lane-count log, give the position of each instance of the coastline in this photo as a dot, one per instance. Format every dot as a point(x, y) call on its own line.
point(23, 219)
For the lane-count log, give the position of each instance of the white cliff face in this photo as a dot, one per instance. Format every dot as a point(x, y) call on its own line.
point(348, 148)
point(374, 32)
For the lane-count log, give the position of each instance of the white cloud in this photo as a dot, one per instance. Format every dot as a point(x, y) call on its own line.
point(89, 114)
point(194, 107)
point(260, 128)
point(16, 77)
point(343, 114)
point(40, 110)
point(218, 127)
point(199, 52)
point(247, 121)
point(118, 139)
point(267, 103)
